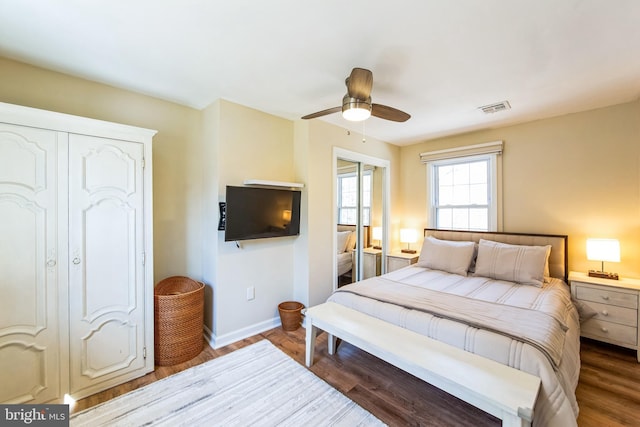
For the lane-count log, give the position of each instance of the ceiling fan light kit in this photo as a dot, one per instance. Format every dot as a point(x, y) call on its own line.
point(357, 105)
point(356, 110)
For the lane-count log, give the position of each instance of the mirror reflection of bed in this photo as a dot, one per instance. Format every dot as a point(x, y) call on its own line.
point(346, 256)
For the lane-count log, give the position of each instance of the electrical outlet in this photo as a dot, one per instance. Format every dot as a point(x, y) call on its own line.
point(251, 293)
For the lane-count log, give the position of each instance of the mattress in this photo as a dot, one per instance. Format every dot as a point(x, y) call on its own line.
point(345, 261)
point(496, 299)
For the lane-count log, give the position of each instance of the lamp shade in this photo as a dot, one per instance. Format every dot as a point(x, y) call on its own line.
point(603, 250)
point(408, 235)
point(377, 233)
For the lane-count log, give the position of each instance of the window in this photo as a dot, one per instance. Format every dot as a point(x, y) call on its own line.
point(348, 198)
point(463, 187)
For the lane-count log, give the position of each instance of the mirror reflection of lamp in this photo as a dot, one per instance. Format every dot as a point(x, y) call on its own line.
point(408, 236)
point(603, 250)
point(286, 217)
point(377, 235)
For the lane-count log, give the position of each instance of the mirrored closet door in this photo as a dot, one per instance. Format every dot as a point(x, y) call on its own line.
point(360, 210)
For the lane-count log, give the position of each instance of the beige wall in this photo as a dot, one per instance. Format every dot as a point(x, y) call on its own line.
point(246, 144)
point(211, 213)
point(318, 139)
point(195, 155)
point(177, 165)
point(577, 174)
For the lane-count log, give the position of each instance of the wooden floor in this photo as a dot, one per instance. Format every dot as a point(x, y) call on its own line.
point(608, 392)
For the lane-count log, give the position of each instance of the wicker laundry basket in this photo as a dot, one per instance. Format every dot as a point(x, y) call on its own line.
point(179, 314)
point(290, 315)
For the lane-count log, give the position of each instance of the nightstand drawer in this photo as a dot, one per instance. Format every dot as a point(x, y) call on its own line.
point(615, 314)
point(610, 332)
point(606, 296)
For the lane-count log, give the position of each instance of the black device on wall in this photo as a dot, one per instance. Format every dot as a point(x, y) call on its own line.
point(259, 213)
point(223, 216)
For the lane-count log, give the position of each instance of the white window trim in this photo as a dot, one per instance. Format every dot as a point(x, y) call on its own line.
point(490, 150)
point(494, 147)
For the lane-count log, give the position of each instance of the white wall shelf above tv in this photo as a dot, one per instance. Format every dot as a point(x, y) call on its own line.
point(273, 183)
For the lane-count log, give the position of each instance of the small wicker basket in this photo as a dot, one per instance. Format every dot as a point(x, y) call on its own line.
point(179, 315)
point(290, 315)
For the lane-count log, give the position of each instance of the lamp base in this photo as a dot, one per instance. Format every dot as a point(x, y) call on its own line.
point(408, 251)
point(377, 247)
point(603, 275)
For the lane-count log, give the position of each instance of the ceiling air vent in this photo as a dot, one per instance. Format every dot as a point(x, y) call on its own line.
point(494, 108)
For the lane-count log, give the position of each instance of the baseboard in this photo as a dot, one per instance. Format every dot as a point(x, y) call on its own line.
point(208, 335)
point(217, 341)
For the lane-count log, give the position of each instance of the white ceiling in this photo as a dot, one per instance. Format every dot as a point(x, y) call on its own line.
point(438, 60)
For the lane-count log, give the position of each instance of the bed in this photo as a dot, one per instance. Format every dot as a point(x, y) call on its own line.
point(502, 296)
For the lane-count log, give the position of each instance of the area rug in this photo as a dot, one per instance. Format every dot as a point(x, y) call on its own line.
point(258, 385)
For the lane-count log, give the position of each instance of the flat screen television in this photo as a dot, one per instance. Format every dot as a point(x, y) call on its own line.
point(259, 213)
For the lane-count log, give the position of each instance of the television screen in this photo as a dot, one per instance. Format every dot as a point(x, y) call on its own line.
point(258, 213)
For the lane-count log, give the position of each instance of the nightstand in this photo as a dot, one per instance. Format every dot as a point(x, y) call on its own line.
point(616, 303)
point(371, 262)
point(397, 260)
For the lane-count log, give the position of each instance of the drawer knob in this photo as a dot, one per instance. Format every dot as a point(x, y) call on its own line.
point(605, 297)
point(605, 313)
point(604, 329)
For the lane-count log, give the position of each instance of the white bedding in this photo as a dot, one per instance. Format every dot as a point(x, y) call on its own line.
point(556, 405)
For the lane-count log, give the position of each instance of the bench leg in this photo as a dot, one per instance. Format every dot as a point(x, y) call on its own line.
point(311, 343)
point(331, 343)
point(509, 420)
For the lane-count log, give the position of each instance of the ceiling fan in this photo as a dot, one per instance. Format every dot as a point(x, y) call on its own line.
point(356, 104)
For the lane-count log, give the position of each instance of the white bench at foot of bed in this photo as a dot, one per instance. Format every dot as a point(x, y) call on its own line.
point(502, 391)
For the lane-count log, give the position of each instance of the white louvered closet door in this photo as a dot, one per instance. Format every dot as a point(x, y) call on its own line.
point(106, 262)
point(30, 243)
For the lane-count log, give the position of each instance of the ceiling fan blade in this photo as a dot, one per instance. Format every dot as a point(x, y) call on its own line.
point(389, 113)
point(322, 113)
point(359, 83)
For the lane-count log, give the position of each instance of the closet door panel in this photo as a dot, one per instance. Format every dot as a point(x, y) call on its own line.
point(29, 322)
point(106, 251)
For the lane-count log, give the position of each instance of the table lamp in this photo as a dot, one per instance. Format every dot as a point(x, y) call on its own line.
point(408, 236)
point(377, 235)
point(603, 250)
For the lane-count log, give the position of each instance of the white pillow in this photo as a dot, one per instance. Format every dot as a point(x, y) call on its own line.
point(351, 241)
point(446, 255)
point(515, 263)
point(343, 238)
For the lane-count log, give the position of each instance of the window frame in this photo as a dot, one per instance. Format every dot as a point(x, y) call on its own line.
point(491, 152)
